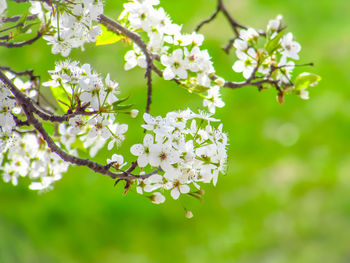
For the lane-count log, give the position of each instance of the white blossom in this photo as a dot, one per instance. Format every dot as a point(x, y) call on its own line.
point(157, 198)
point(3, 6)
point(213, 99)
point(143, 150)
point(175, 65)
point(290, 48)
point(117, 160)
point(246, 64)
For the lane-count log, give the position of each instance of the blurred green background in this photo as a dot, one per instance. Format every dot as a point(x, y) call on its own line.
point(286, 195)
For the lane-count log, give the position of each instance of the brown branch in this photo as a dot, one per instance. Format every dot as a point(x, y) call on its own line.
point(118, 28)
point(30, 72)
point(11, 27)
point(16, 18)
point(251, 80)
point(229, 45)
point(209, 19)
point(21, 44)
point(19, 123)
point(29, 109)
point(222, 8)
point(234, 24)
point(236, 85)
point(149, 84)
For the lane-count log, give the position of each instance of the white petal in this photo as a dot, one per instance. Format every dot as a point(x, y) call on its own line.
point(175, 193)
point(111, 144)
point(142, 161)
point(178, 53)
point(137, 149)
point(184, 188)
point(148, 140)
point(238, 66)
point(123, 128)
point(182, 73)
point(168, 74)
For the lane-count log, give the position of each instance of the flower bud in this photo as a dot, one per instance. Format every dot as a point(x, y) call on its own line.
point(220, 82)
point(188, 214)
point(157, 198)
point(134, 113)
point(280, 98)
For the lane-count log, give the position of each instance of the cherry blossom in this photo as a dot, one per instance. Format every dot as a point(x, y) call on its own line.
point(175, 65)
point(290, 48)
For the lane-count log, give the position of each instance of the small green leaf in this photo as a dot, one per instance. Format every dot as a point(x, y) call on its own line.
point(305, 80)
point(120, 101)
point(107, 37)
point(122, 107)
point(274, 43)
point(62, 97)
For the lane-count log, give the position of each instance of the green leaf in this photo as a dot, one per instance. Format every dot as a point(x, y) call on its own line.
point(61, 97)
point(120, 101)
point(107, 37)
point(117, 107)
point(274, 43)
point(122, 107)
point(305, 80)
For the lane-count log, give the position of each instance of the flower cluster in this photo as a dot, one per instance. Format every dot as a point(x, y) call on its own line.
point(9, 108)
point(7, 105)
point(28, 156)
point(72, 23)
point(180, 151)
point(185, 149)
point(93, 106)
point(24, 155)
point(180, 54)
point(81, 90)
point(275, 60)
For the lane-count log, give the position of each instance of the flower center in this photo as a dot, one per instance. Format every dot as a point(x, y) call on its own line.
point(162, 156)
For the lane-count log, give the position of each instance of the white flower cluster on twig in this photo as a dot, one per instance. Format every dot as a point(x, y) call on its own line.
point(186, 148)
point(180, 151)
point(180, 54)
point(73, 23)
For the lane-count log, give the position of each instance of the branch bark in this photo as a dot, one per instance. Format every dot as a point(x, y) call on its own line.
point(29, 110)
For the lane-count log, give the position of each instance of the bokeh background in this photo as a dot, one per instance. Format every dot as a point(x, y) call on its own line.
point(286, 195)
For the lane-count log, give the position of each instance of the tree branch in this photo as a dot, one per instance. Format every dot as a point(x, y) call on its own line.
point(208, 20)
point(21, 44)
point(117, 28)
point(29, 110)
point(222, 8)
point(30, 72)
point(16, 18)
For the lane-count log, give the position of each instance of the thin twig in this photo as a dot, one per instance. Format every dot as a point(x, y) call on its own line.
point(21, 44)
point(30, 72)
point(229, 45)
point(118, 28)
point(209, 19)
point(222, 8)
point(27, 107)
point(234, 24)
point(149, 83)
point(16, 18)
